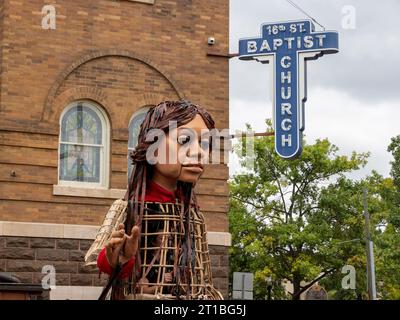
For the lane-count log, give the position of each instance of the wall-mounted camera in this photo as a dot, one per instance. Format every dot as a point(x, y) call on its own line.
point(211, 41)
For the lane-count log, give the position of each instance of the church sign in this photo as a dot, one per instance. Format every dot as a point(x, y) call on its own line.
point(288, 46)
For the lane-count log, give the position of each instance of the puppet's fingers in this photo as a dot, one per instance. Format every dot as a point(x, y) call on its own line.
point(119, 246)
point(135, 232)
point(118, 233)
point(113, 249)
point(133, 238)
point(115, 242)
point(132, 242)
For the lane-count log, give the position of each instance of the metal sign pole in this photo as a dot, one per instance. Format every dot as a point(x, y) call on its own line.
point(370, 253)
point(243, 286)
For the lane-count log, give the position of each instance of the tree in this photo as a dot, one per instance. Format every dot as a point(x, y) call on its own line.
point(394, 148)
point(339, 200)
point(280, 229)
point(394, 196)
point(388, 235)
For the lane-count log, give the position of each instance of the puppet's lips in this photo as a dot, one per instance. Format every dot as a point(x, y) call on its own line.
point(197, 168)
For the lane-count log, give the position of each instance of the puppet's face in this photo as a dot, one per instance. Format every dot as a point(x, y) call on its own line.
point(188, 141)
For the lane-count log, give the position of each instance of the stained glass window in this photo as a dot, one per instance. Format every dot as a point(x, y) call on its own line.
point(134, 129)
point(82, 144)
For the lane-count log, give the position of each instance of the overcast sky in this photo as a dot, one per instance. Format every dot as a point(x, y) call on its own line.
point(353, 96)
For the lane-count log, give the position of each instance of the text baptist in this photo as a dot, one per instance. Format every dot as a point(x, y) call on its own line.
point(289, 43)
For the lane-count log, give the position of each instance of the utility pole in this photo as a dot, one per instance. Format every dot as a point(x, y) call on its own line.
point(370, 253)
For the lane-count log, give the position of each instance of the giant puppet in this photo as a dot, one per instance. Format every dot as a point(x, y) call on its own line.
point(153, 244)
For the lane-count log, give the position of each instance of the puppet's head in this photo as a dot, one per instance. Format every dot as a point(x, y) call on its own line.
point(188, 124)
point(173, 143)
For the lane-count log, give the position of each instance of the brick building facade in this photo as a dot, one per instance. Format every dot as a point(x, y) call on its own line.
point(116, 57)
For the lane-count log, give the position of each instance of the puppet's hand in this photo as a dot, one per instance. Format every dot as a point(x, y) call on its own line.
point(122, 247)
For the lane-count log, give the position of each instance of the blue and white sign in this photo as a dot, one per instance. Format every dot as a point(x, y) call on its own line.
point(288, 46)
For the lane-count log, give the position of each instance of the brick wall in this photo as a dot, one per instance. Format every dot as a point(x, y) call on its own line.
point(220, 268)
point(25, 257)
point(122, 55)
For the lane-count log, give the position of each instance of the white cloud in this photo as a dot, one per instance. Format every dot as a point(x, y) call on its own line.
point(353, 126)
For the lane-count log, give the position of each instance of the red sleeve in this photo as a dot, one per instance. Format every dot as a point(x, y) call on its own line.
point(105, 267)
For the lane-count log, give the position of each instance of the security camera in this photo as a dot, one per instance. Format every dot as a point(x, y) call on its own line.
point(211, 41)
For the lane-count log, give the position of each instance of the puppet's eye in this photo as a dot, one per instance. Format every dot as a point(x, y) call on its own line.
point(182, 139)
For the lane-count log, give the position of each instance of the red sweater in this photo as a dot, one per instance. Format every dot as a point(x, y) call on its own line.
point(154, 193)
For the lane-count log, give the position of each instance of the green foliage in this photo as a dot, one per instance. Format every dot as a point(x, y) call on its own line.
point(394, 148)
point(299, 219)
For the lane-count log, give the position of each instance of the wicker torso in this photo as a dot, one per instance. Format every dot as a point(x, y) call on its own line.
point(165, 248)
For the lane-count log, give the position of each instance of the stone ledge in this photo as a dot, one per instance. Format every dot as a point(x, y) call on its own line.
point(219, 238)
point(59, 190)
point(75, 293)
point(142, 1)
point(71, 231)
point(47, 230)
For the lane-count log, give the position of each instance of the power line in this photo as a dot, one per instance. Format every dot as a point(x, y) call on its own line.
point(301, 10)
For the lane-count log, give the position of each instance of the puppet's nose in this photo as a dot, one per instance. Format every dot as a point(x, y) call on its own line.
point(195, 153)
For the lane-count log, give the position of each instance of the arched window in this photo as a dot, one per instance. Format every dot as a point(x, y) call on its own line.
point(134, 129)
point(84, 140)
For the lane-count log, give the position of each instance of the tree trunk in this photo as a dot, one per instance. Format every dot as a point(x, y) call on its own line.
point(300, 290)
point(296, 286)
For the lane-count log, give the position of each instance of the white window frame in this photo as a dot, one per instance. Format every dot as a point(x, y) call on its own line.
point(137, 113)
point(104, 149)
